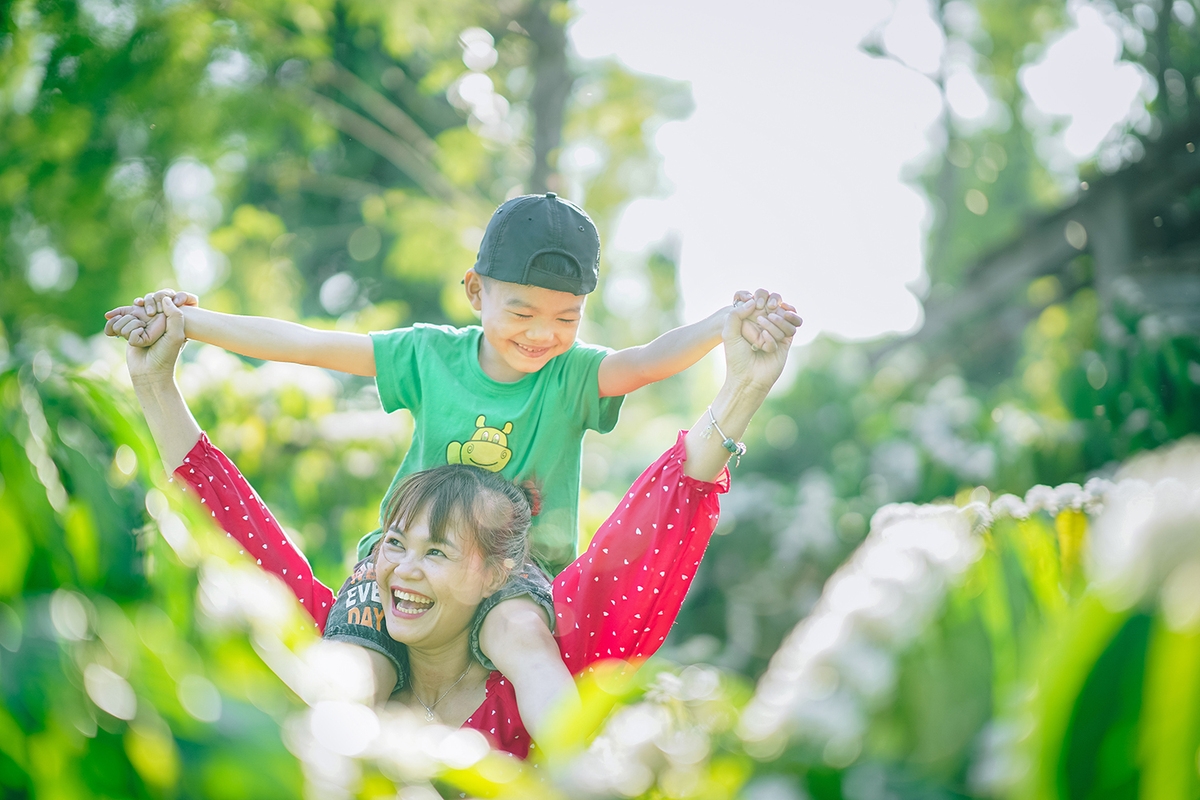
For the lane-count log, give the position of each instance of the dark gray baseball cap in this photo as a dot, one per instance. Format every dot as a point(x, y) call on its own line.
point(541, 240)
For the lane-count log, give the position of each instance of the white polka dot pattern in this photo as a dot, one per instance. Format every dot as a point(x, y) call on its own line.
point(206, 464)
point(638, 567)
point(636, 572)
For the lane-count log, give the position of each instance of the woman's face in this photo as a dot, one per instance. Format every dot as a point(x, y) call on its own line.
point(430, 590)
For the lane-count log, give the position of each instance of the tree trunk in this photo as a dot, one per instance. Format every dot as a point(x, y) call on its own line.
point(552, 86)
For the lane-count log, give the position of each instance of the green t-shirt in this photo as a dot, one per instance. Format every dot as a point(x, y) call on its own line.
point(531, 428)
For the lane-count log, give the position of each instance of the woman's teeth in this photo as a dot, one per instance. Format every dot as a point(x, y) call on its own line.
point(410, 602)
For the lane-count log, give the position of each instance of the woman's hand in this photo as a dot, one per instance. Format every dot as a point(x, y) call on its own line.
point(143, 322)
point(153, 372)
point(758, 335)
point(158, 360)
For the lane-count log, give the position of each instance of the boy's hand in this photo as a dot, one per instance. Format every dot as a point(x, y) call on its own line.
point(147, 361)
point(143, 322)
point(758, 361)
point(132, 323)
point(153, 302)
point(768, 310)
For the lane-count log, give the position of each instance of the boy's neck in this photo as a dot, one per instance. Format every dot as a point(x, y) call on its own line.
point(494, 366)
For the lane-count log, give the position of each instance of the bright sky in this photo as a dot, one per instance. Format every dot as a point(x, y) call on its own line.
point(788, 173)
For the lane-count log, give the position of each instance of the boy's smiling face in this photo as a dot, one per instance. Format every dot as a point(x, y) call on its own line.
point(523, 326)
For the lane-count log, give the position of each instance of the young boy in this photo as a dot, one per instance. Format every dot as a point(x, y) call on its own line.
point(513, 395)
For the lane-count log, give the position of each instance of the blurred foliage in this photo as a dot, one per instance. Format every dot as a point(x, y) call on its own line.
point(850, 435)
point(992, 179)
point(334, 163)
point(327, 162)
point(293, 159)
point(1061, 384)
point(1001, 171)
point(114, 682)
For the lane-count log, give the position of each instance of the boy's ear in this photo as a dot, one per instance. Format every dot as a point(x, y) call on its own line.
point(473, 286)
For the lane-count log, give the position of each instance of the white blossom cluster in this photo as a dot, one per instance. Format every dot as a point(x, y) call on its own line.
point(215, 369)
point(1052, 500)
point(338, 730)
point(334, 738)
point(475, 93)
point(839, 664)
point(1143, 549)
point(356, 420)
point(661, 741)
point(942, 424)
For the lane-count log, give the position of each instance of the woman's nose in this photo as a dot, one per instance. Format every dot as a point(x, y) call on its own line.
point(408, 565)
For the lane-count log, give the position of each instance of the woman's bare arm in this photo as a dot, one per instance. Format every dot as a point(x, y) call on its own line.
point(750, 372)
point(152, 370)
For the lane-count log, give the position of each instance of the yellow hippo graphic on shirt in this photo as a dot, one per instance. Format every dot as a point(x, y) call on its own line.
point(487, 447)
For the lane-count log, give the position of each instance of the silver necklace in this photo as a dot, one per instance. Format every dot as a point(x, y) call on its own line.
point(429, 708)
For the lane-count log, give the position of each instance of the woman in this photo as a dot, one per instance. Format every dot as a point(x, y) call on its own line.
point(455, 533)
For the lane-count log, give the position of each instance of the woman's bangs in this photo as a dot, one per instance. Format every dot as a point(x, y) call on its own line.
point(442, 495)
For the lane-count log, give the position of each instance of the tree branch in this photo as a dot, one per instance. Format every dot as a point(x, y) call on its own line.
point(337, 186)
point(385, 111)
point(399, 152)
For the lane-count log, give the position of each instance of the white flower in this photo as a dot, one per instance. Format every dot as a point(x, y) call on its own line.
point(1095, 490)
point(839, 665)
point(1068, 495)
point(1040, 498)
point(1009, 505)
point(1149, 524)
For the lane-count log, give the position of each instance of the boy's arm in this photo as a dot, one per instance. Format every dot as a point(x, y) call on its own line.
point(277, 340)
point(632, 368)
point(266, 339)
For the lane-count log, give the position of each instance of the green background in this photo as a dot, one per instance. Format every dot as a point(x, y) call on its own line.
point(332, 163)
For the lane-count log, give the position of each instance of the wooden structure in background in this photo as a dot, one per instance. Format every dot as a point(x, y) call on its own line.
point(1141, 227)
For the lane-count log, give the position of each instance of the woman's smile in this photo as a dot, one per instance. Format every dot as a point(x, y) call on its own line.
point(409, 604)
point(450, 570)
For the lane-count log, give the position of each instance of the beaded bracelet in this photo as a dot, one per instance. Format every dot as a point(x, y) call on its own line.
point(736, 449)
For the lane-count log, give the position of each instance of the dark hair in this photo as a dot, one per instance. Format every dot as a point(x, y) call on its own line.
point(492, 512)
